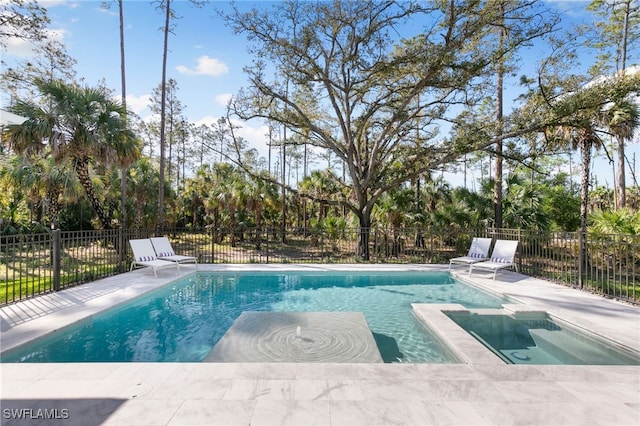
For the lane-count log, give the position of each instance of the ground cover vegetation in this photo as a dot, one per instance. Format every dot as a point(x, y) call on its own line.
point(362, 125)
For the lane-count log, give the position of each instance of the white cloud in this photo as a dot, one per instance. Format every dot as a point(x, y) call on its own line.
point(106, 10)
point(256, 136)
point(206, 66)
point(51, 3)
point(24, 48)
point(223, 99)
point(19, 47)
point(250, 132)
point(253, 132)
point(576, 8)
point(58, 34)
point(138, 104)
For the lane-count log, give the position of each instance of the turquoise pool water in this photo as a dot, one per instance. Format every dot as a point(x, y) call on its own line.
point(542, 340)
point(182, 321)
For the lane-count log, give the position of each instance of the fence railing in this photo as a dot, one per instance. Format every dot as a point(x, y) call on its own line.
point(40, 263)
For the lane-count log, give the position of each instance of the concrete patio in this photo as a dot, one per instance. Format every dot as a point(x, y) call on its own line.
point(481, 391)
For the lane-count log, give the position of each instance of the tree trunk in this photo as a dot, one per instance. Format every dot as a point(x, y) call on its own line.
point(138, 217)
point(584, 190)
point(620, 177)
point(584, 205)
point(53, 196)
point(163, 106)
point(622, 48)
point(81, 167)
point(284, 188)
point(497, 189)
point(364, 232)
point(123, 168)
point(232, 214)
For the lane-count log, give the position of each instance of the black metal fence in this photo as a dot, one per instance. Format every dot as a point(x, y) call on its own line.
point(39, 263)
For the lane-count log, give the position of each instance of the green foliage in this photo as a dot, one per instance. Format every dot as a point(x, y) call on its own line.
point(334, 227)
point(143, 181)
point(390, 99)
point(623, 221)
point(14, 213)
point(472, 209)
point(76, 216)
point(561, 205)
point(384, 99)
point(80, 128)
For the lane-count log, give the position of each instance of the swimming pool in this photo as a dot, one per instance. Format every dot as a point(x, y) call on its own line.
point(182, 321)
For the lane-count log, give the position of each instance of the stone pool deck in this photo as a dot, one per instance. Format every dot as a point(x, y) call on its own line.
point(478, 392)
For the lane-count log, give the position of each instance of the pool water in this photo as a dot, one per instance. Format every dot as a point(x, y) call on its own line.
point(183, 320)
point(541, 340)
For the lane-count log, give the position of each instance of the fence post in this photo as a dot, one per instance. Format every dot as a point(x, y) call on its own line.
point(213, 244)
point(376, 244)
point(122, 249)
point(266, 234)
point(581, 256)
point(56, 251)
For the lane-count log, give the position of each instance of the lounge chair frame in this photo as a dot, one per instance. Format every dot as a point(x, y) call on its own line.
point(165, 251)
point(478, 252)
point(502, 257)
point(145, 256)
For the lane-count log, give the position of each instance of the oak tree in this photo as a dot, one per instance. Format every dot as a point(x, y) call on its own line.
point(384, 78)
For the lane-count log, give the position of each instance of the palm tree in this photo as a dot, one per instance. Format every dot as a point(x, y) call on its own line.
point(621, 119)
point(260, 195)
point(393, 210)
point(194, 195)
point(622, 221)
point(584, 138)
point(81, 125)
point(523, 204)
point(472, 209)
point(319, 186)
point(219, 174)
point(581, 135)
point(46, 184)
point(228, 194)
point(142, 176)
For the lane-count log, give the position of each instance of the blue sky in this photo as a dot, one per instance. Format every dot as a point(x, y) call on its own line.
point(205, 58)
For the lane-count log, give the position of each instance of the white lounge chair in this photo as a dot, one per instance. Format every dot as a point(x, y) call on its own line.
point(145, 256)
point(502, 257)
point(478, 252)
point(164, 251)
